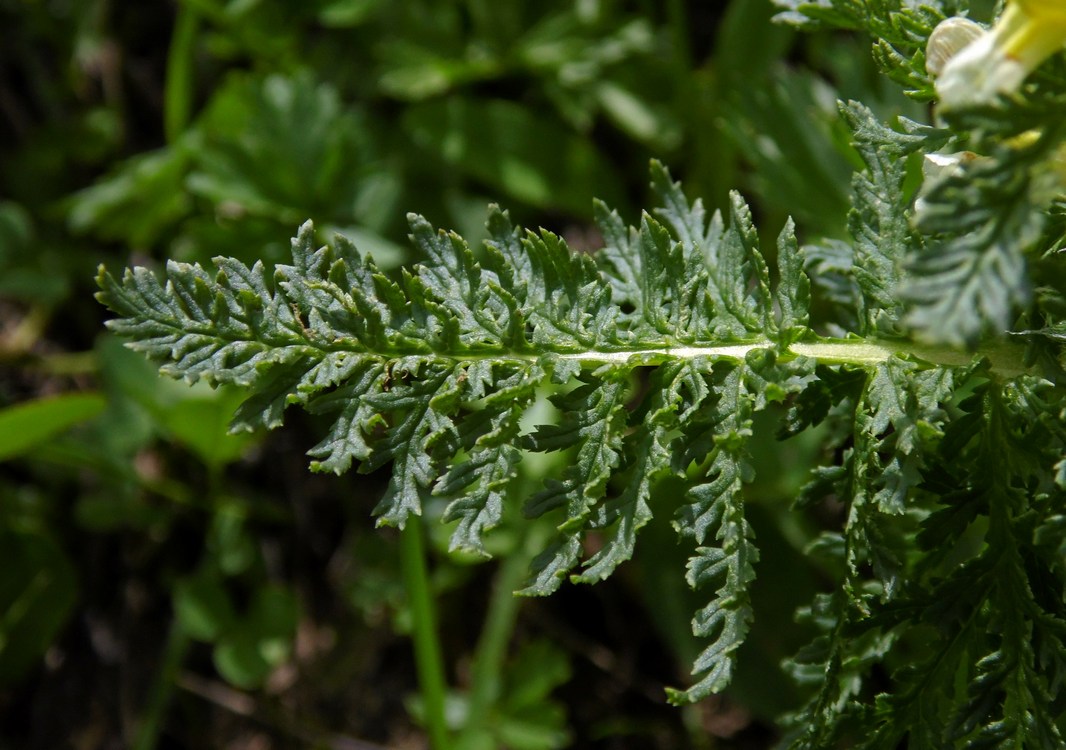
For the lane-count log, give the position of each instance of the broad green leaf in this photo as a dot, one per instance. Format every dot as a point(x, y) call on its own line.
point(138, 202)
point(25, 426)
point(203, 608)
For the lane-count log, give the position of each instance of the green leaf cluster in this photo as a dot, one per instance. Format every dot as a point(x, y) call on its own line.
point(933, 394)
point(662, 346)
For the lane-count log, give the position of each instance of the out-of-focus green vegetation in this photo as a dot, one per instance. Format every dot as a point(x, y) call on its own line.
point(165, 584)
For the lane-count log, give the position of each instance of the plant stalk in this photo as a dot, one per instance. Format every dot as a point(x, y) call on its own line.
point(491, 653)
point(428, 659)
point(151, 723)
point(178, 93)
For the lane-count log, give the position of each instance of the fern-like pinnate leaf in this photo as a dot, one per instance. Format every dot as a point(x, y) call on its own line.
point(432, 373)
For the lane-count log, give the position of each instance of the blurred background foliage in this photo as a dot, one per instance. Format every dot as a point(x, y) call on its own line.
point(165, 584)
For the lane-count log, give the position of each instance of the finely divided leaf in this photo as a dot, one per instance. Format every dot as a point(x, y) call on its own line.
point(878, 221)
point(793, 291)
point(971, 278)
point(431, 373)
point(594, 426)
point(478, 484)
point(677, 390)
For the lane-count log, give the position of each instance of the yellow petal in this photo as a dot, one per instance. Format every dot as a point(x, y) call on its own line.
point(1048, 11)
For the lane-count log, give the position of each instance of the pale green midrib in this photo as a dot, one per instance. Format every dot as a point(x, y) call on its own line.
point(1005, 358)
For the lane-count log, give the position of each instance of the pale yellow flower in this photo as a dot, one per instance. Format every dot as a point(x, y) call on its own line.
point(1027, 34)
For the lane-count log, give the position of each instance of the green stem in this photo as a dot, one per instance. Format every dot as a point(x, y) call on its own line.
point(175, 650)
point(1006, 358)
point(428, 659)
point(177, 646)
point(491, 653)
point(678, 19)
point(177, 97)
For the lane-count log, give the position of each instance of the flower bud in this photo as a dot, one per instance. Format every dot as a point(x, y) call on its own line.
point(947, 40)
